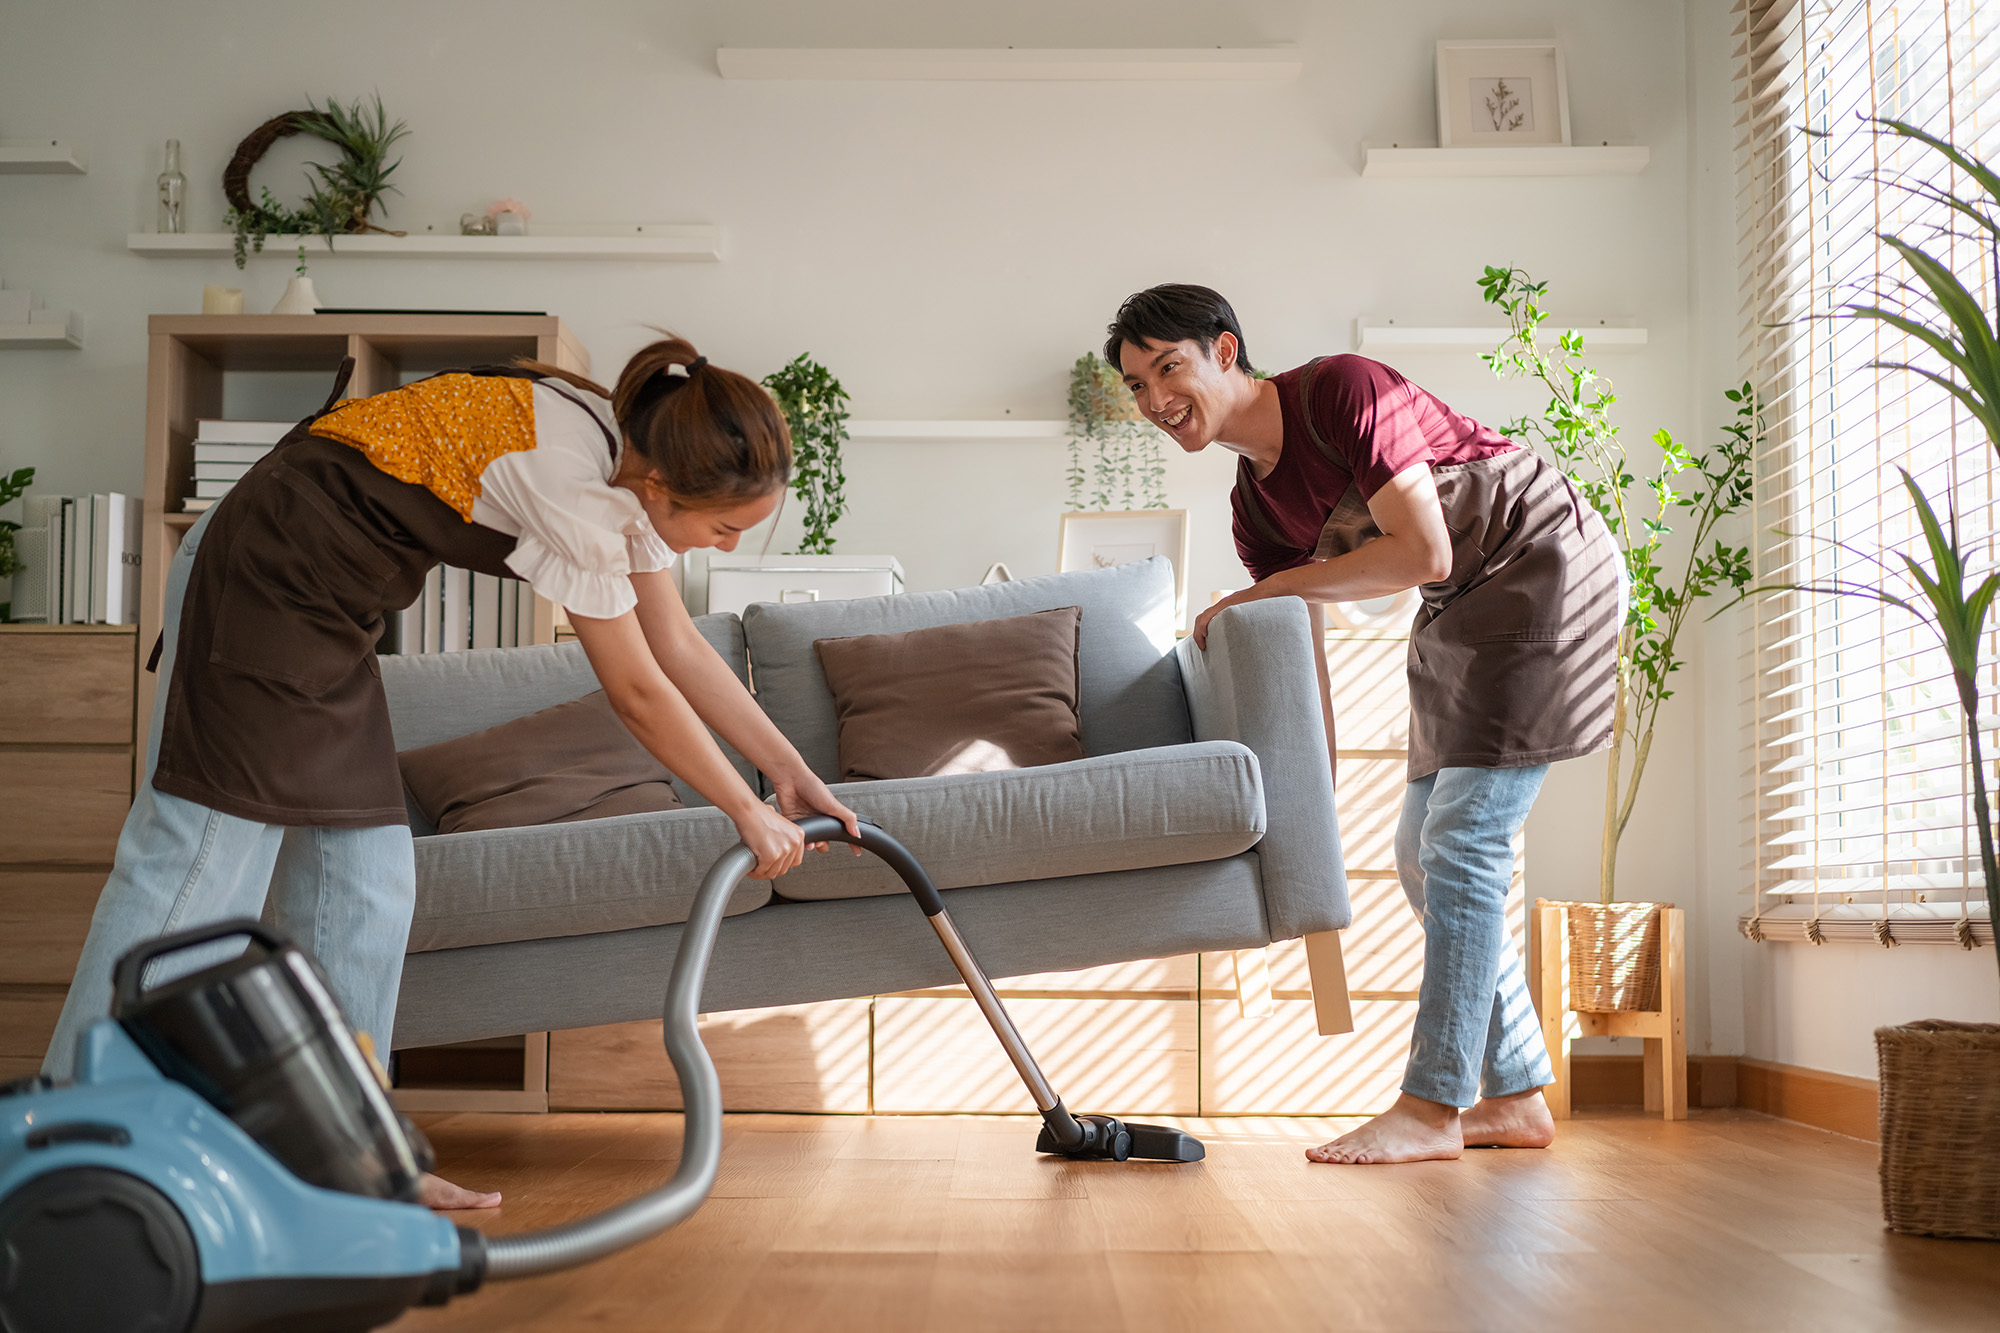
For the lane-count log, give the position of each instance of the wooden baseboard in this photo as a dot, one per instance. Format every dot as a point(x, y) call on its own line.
point(1839, 1102)
point(1605, 1081)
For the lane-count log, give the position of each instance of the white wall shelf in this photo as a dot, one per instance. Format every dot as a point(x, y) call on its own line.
point(1387, 335)
point(45, 156)
point(1540, 160)
point(647, 242)
point(64, 332)
point(1211, 64)
point(1004, 428)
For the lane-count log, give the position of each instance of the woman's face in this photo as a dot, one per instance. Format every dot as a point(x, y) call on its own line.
point(683, 528)
point(1180, 388)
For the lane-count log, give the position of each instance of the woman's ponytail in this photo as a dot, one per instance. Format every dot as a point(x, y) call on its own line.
point(715, 437)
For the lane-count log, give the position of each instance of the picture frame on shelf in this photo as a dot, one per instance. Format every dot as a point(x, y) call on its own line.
point(1503, 92)
point(1103, 539)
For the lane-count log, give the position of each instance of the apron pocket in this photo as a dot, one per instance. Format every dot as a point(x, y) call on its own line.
point(301, 595)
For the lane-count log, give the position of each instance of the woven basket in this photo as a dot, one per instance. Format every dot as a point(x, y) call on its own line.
point(1614, 956)
point(1941, 1128)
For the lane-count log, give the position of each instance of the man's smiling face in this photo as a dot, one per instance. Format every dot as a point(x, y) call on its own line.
point(1180, 388)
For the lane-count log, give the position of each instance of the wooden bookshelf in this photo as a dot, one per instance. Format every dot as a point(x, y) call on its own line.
point(195, 367)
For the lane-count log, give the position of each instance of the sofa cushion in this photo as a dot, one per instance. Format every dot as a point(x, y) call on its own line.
point(570, 879)
point(436, 696)
point(971, 698)
point(1140, 809)
point(572, 761)
point(1129, 683)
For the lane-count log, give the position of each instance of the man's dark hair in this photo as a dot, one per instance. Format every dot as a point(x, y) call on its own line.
point(1175, 312)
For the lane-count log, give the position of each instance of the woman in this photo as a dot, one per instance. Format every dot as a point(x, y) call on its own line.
point(271, 760)
point(1354, 483)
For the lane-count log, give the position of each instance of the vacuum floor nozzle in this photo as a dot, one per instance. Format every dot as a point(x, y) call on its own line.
point(1109, 1139)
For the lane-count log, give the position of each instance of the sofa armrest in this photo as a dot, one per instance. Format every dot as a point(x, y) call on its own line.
point(1257, 685)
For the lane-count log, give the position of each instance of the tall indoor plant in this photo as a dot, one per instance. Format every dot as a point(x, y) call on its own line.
point(1940, 1079)
point(815, 406)
point(1701, 489)
point(1126, 469)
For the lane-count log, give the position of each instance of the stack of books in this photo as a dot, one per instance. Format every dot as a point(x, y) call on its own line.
point(79, 560)
point(458, 610)
point(224, 451)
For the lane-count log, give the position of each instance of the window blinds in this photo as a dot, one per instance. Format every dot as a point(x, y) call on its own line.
point(1864, 824)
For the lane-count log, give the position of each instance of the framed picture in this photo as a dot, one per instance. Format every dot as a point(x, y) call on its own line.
point(1501, 93)
point(1121, 536)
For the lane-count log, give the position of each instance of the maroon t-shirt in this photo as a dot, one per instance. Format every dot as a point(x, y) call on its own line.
point(1377, 424)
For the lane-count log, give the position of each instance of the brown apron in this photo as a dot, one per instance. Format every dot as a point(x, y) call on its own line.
point(275, 711)
point(1513, 654)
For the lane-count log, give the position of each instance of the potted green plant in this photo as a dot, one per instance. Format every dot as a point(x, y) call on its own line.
point(12, 488)
point(1124, 469)
point(815, 406)
point(1614, 946)
point(1939, 1079)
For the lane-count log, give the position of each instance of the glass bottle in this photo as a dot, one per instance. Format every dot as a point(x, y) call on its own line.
point(173, 192)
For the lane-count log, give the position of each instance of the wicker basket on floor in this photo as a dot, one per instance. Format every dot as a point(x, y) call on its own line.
point(1941, 1128)
point(1614, 956)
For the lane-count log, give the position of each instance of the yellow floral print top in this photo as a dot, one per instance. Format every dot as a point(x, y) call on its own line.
point(530, 459)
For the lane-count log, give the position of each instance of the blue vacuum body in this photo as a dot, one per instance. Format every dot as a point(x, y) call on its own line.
point(226, 1159)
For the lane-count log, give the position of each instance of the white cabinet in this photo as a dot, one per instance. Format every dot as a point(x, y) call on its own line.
point(736, 581)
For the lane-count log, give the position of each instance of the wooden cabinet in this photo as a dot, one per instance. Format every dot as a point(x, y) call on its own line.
point(67, 756)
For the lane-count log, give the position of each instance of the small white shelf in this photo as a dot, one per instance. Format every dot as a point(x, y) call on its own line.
point(51, 157)
point(1173, 64)
point(66, 332)
point(1380, 336)
point(648, 242)
point(945, 431)
point(1541, 160)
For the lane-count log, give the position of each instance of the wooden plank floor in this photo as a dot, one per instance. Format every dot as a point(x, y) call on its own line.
point(819, 1223)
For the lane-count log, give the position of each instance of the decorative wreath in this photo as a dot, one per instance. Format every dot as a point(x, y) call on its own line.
point(343, 196)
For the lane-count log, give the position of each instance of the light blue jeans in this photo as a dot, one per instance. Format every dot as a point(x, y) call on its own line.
point(344, 894)
point(1476, 1031)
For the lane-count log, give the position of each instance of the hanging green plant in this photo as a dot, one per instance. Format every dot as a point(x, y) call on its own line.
point(815, 407)
point(1126, 469)
point(343, 197)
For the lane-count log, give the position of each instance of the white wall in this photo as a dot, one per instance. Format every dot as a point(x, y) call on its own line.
point(948, 249)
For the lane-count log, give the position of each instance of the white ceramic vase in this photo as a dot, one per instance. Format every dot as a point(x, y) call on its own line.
point(299, 298)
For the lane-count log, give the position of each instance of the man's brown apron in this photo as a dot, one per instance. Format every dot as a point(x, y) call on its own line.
point(275, 711)
point(1513, 654)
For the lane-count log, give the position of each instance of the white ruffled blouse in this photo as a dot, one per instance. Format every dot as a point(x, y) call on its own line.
point(579, 539)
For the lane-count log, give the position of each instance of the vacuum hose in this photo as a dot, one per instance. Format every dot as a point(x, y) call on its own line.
point(701, 1091)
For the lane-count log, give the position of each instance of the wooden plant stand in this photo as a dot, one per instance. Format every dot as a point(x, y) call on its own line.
point(1664, 1029)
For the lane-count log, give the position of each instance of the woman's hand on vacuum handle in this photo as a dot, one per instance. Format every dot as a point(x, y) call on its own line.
point(802, 793)
point(776, 840)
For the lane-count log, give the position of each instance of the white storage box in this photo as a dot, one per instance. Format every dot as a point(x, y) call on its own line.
point(736, 581)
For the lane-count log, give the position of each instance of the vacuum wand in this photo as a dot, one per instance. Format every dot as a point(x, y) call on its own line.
point(1088, 1136)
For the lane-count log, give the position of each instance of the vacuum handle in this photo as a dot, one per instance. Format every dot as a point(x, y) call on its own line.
point(129, 974)
point(825, 828)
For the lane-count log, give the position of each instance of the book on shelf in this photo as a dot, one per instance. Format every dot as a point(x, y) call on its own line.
point(79, 560)
point(213, 431)
point(194, 505)
point(211, 490)
point(228, 454)
point(458, 609)
point(220, 471)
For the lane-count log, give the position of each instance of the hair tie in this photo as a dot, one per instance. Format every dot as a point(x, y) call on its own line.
point(695, 365)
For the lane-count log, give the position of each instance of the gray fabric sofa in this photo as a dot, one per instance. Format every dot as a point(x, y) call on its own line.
point(1200, 818)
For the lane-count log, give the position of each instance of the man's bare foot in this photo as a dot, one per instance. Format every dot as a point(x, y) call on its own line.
point(1413, 1130)
point(1519, 1121)
point(438, 1193)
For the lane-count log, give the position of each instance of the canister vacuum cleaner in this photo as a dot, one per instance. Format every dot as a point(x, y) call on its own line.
point(227, 1159)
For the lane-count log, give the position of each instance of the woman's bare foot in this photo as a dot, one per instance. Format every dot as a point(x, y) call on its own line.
point(438, 1193)
point(1413, 1130)
point(1519, 1121)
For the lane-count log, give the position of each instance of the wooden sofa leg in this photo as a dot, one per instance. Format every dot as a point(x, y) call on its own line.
point(1253, 983)
point(1329, 984)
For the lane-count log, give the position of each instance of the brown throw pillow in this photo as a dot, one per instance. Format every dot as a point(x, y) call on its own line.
point(573, 761)
point(969, 698)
